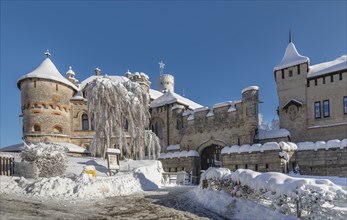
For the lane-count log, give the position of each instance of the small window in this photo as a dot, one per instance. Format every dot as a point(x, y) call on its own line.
point(126, 125)
point(56, 87)
point(326, 108)
point(323, 80)
point(345, 105)
point(256, 167)
point(85, 122)
point(340, 76)
point(57, 129)
point(236, 167)
point(290, 73)
point(317, 110)
point(298, 69)
point(331, 78)
point(315, 82)
point(282, 74)
point(34, 84)
point(308, 83)
point(36, 128)
point(246, 166)
point(267, 167)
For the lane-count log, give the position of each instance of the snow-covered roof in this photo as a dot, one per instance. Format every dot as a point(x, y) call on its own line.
point(291, 57)
point(13, 148)
point(113, 78)
point(328, 67)
point(170, 97)
point(154, 94)
point(290, 102)
point(47, 70)
point(263, 134)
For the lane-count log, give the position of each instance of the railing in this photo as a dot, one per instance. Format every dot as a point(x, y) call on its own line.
point(6, 164)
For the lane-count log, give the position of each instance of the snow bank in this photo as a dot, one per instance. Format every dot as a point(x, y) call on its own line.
point(134, 176)
point(229, 207)
point(214, 173)
point(317, 197)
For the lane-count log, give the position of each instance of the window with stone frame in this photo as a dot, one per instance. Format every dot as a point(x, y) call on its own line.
point(326, 108)
point(345, 105)
point(317, 110)
point(85, 122)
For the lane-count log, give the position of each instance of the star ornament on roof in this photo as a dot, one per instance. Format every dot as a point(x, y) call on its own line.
point(161, 65)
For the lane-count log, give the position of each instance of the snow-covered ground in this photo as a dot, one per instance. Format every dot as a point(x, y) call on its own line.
point(136, 192)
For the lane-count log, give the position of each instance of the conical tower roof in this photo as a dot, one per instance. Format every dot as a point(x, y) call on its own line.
point(47, 70)
point(291, 58)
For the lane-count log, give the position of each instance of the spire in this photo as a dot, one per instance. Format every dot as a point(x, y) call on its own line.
point(290, 36)
point(47, 53)
point(161, 67)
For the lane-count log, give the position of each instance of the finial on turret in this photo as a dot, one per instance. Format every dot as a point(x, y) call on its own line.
point(97, 71)
point(161, 67)
point(47, 53)
point(290, 36)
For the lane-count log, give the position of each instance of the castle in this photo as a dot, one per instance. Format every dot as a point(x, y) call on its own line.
point(312, 107)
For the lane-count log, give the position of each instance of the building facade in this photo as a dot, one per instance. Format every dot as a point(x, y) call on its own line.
point(312, 98)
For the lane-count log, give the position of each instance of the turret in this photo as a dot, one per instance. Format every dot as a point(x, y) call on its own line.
point(140, 78)
point(250, 100)
point(45, 104)
point(166, 82)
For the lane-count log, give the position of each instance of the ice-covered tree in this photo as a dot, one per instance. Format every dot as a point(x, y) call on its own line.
point(114, 104)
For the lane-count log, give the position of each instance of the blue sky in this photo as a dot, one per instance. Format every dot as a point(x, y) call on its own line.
point(213, 48)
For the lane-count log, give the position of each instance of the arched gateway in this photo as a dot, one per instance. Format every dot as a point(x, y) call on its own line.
point(210, 153)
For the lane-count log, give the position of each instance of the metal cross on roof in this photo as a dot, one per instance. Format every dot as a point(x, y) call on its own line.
point(47, 53)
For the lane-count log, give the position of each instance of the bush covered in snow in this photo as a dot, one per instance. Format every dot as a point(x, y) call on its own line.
point(50, 159)
point(307, 198)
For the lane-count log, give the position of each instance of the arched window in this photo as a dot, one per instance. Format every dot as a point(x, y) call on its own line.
point(157, 128)
point(57, 129)
point(85, 122)
point(36, 128)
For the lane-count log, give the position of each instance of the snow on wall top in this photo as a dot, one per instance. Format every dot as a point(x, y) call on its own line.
point(263, 134)
point(322, 145)
point(291, 57)
point(47, 70)
point(170, 97)
point(328, 67)
point(179, 154)
point(285, 146)
point(249, 88)
point(113, 78)
point(173, 147)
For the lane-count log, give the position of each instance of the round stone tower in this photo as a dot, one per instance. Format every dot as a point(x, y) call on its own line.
point(166, 83)
point(45, 104)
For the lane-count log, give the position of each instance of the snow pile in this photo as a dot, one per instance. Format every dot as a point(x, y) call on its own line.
point(49, 159)
point(136, 177)
point(120, 110)
point(246, 148)
point(322, 145)
point(283, 193)
point(214, 173)
point(231, 207)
